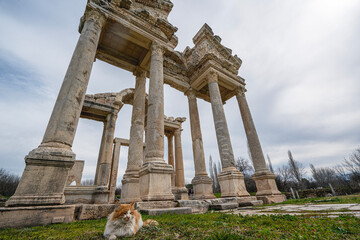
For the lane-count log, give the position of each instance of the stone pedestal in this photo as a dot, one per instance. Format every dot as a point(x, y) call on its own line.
point(267, 190)
point(180, 193)
point(202, 183)
point(155, 182)
point(130, 191)
point(47, 166)
point(232, 183)
point(155, 174)
point(231, 180)
point(202, 187)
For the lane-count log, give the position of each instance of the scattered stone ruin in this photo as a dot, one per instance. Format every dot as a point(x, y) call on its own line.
point(136, 36)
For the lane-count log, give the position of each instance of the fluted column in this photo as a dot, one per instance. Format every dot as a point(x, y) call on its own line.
point(170, 138)
point(114, 170)
point(47, 166)
point(155, 174)
point(180, 190)
point(202, 183)
point(264, 179)
point(104, 160)
point(131, 190)
point(231, 180)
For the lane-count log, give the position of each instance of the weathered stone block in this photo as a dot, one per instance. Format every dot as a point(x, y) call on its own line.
point(224, 206)
point(93, 211)
point(35, 216)
point(160, 211)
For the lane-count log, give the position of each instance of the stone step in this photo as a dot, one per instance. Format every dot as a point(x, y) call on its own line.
point(251, 203)
point(160, 211)
point(224, 206)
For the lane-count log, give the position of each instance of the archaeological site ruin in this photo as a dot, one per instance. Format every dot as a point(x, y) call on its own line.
point(136, 36)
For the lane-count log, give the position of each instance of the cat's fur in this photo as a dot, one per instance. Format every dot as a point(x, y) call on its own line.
point(124, 221)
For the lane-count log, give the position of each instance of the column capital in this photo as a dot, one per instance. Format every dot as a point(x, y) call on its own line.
point(240, 91)
point(212, 76)
point(157, 48)
point(177, 132)
point(168, 134)
point(92, 15)
point(190, 93)
point(140, 72)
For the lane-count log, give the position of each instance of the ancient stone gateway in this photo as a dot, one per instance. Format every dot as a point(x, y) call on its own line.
point(136, 36)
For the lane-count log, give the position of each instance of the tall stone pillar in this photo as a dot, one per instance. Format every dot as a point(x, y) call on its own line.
point(170, 138)
point(231, 180)
point(130, 183)
point(104, 160)
point(155, 174)
point(264, 179)
point(114, 170)
point(47, 166)
point(180, 190)
point(202, 183)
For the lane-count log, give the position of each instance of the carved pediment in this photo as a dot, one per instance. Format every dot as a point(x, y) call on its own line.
point(208, 44)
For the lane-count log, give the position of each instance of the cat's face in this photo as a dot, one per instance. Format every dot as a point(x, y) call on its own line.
point(125, 212)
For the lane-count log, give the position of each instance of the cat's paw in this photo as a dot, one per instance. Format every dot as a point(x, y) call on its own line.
point(112, 237)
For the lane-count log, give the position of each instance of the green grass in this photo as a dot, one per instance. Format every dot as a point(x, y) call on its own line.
point(207, 226)
point(218, 195)
point(321, 200)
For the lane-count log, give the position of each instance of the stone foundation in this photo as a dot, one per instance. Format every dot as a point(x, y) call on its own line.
point(130, 191)
point(180, 193)
point(155, 182)
point(232, 183)
point(202, 187)
point(44, 177)
point(267, 190)
point(86, 194)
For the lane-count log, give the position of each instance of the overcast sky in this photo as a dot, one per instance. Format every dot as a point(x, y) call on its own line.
point(301, 63)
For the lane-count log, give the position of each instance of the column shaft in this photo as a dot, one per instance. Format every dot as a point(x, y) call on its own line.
point(202, 183)
point(102, 178)
point(197, 142)
point(66, 113)
point(222, 132)
point(179, 164)
point(155, 118)
point(170, 138)
point(114, 171)
point(155, 174)
point(252, 137)
point(131, 190)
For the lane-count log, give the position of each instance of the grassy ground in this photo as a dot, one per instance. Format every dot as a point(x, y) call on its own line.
point(323, 200)
point(206, 226)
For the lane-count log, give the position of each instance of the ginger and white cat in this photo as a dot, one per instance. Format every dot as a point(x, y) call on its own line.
point(124, 221)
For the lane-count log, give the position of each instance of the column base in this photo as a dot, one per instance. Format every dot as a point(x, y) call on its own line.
point(155, 181)
point(202, 187)
point(180, 193)
point(232, 183)
point(130, 191)
point(266, 188)
point(44, 178)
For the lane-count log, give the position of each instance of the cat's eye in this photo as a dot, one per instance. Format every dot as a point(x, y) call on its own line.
point(132, 213)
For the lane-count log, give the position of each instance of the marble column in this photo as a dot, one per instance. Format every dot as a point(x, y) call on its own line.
point(180, 190)
point(155, 174)
point(202, 183)
point(170, 138)
point(130, 183)
point(104, 160)
point(114, 170)
point(231, 180)
point(264, 179)
point(47, 166)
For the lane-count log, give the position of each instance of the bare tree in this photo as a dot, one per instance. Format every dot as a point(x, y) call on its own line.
point(297, 170)
point(8, 183)
point(244, 166)
point(323, 176)
point(283, 178)
point(270, 164)
point(353, 165)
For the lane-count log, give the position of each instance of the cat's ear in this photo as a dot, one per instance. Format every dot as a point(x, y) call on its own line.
point(132, 204)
